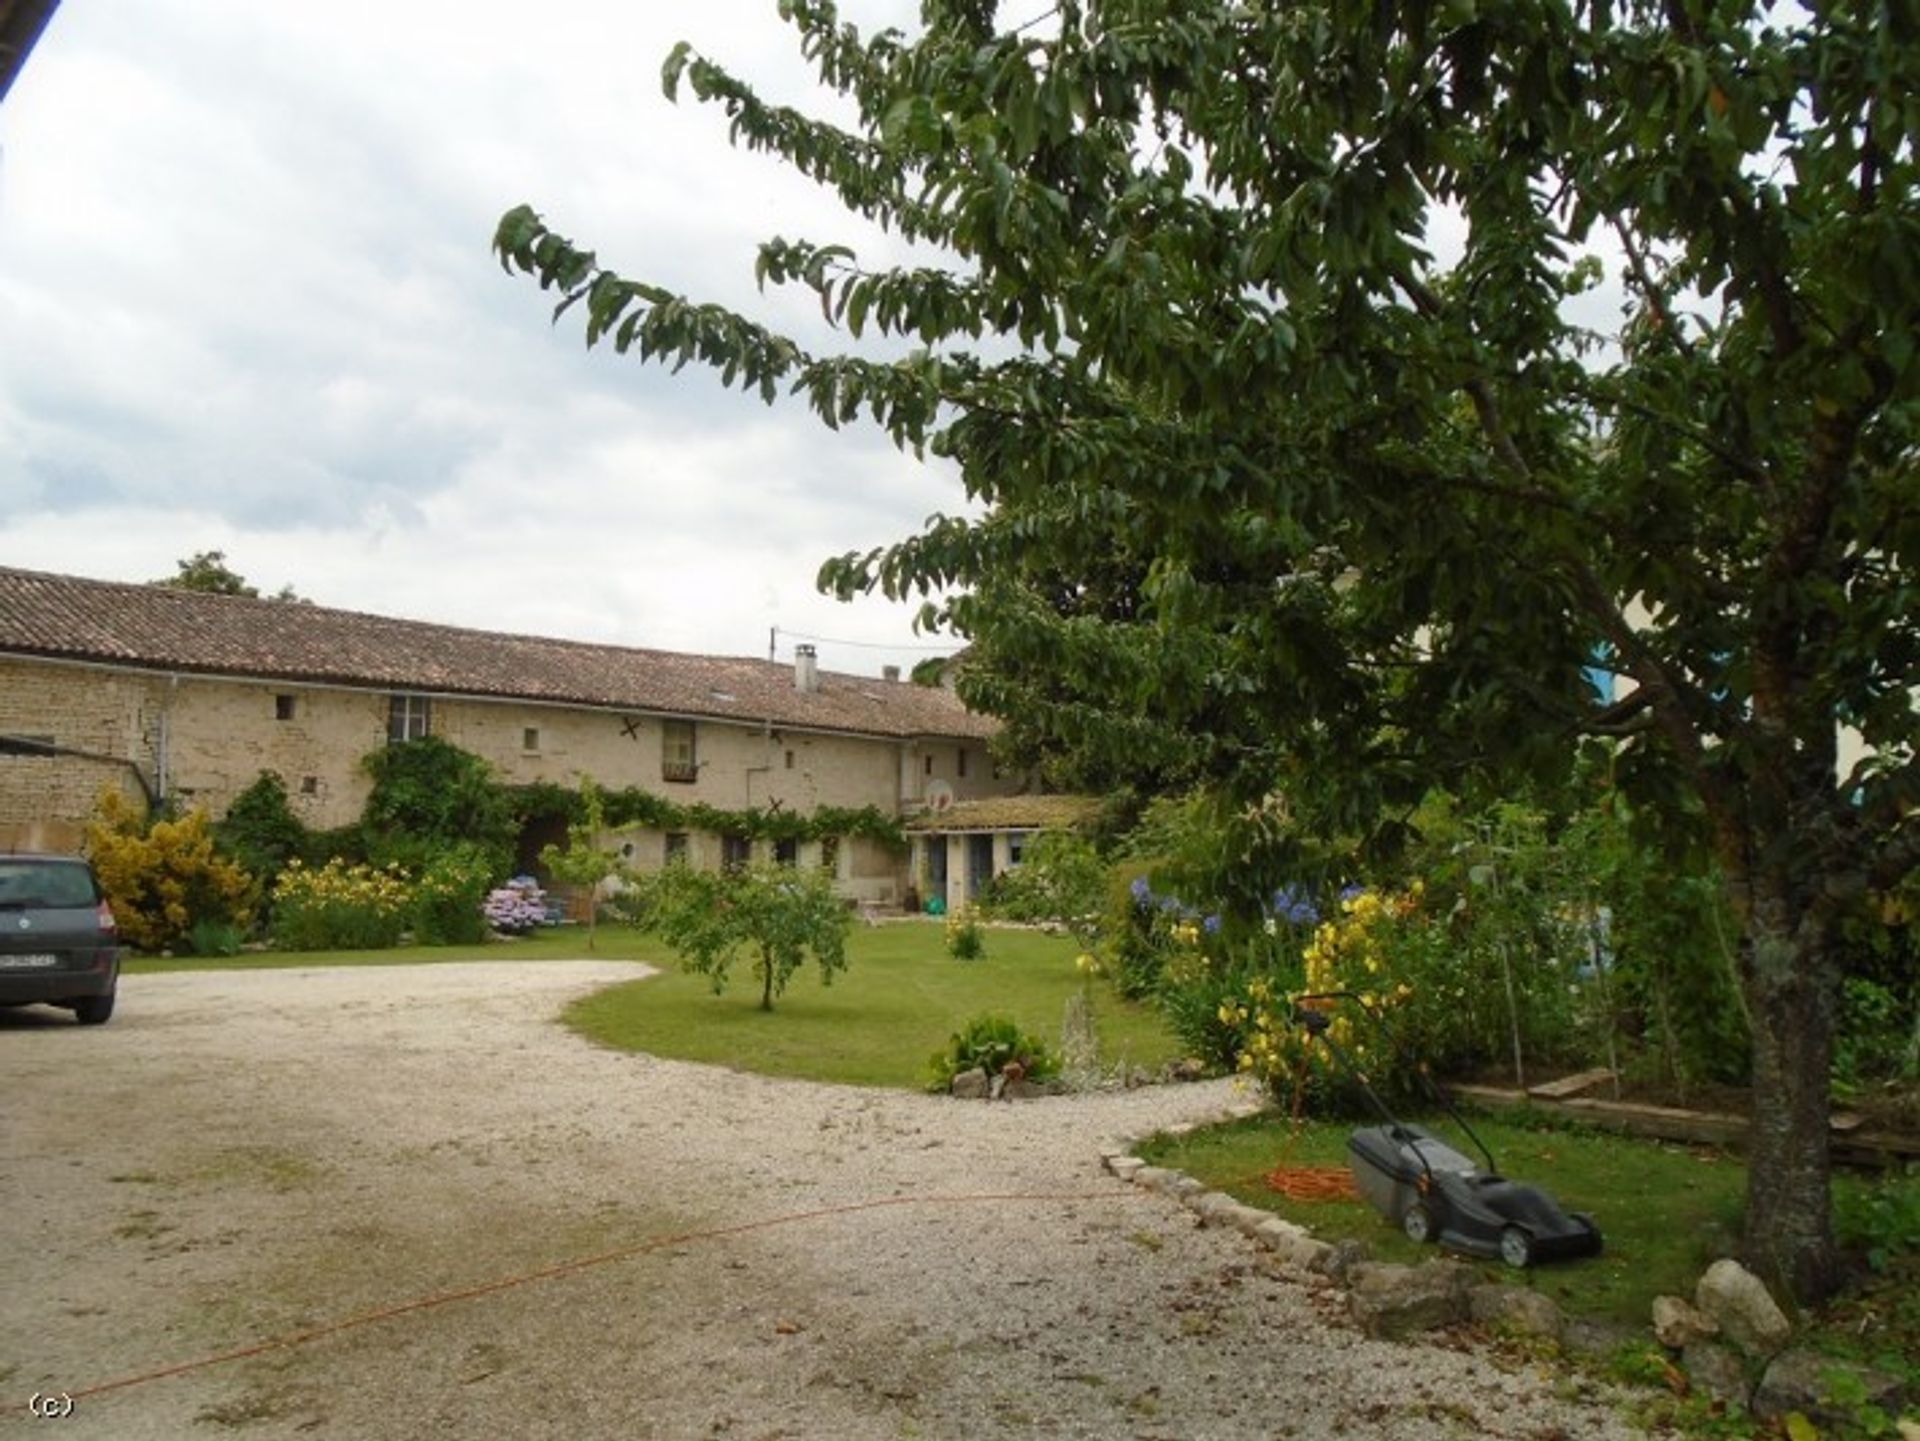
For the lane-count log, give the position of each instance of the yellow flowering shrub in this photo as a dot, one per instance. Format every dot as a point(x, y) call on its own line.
point(340, 907)
point(1353, 956)
point(162, 877)
point(964, 939)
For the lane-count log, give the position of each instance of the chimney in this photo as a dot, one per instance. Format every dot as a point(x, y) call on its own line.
point(889, 672)
point(806, 669)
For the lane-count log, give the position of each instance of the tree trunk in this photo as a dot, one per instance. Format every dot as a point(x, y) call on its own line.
point(766, 974)
point(1791, 997)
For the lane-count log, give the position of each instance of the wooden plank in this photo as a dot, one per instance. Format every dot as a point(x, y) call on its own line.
point(1850, 1146)
point(1572, 1085)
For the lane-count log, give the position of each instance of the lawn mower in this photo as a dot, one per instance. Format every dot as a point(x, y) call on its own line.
point(1433, 1192)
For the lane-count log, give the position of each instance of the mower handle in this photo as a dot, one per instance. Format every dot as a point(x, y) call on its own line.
point(1316, 1023)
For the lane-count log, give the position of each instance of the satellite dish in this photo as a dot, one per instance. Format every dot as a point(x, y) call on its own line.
point(939, 796)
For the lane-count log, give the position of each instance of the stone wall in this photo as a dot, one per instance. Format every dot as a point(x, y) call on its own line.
point(211, 738)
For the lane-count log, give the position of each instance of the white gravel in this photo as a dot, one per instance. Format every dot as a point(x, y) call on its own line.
point(248, 1156)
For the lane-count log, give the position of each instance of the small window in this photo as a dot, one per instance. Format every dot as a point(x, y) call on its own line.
point(530, 738)
point(927, 768)
point(830, 854)
point(283, 707)
point(677, 761)
point(960, 762)
point(786, 851)
point(735, 851)
point(309, 785)
point(1016, 847)
point(409, 718)
point(676, 846)
point(789, 760)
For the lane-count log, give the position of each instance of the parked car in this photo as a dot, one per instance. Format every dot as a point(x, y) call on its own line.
point(58, 945)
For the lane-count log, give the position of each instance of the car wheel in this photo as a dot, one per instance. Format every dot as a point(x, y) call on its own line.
point(92, 1010)
point(1418, 1224)
point(1516, 1248)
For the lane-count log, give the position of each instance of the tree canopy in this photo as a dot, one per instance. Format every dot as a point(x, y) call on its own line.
point(1343, 383)
point(207, 571)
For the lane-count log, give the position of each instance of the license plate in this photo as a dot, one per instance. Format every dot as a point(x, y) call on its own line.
point(32, 960)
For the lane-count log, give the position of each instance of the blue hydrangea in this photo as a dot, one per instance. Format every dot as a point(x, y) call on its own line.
point(1294, 906)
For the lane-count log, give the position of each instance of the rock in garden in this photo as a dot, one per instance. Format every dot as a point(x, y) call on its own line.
point(1677, 1323)
point(1395, 1301)
point(1517, 1309)
point(1292, 1245)
point(1214, 1208)
point(1586, 1337)
point(1804, 1381)
point(970, 1085)
point(1186, 1069)
point(1718, 1371)
point(1341, 1259)
point(1746, 1314)
point(1125, 1167)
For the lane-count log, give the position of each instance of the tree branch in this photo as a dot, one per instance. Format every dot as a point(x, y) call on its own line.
point(1486, 405)
point(1669, 326)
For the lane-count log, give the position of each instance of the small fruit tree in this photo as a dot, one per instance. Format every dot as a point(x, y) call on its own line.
point(582, 861)
point(778, 914)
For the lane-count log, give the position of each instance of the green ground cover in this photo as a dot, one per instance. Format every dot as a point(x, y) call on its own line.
point(1666, 1211)
point(878, 1024)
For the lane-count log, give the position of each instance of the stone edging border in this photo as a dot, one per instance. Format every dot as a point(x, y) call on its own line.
point(1289, 1243)
point(1393, 1301)
point(1385, 1300)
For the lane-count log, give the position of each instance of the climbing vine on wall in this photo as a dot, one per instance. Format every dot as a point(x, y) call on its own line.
point(633, 806)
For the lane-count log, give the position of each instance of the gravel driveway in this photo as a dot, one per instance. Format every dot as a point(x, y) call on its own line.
point(594, 1244)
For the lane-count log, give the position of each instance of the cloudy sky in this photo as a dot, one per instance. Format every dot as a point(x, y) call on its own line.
point(247, 304)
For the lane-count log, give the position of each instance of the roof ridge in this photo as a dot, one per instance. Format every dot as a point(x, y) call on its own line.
point(159, 627)
point(181, 595)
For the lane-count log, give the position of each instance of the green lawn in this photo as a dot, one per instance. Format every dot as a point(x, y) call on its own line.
point(561, 943)
point(1666, 1211)
point(881, 1020)
point(899, 999)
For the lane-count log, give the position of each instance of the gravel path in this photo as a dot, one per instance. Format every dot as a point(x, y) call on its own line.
point(254, 1155)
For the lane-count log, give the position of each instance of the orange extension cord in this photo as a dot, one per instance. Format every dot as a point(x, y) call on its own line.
point(567, 1268)
point(1308, 1183)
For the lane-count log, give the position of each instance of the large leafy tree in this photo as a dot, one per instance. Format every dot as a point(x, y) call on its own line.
point(1342, 380)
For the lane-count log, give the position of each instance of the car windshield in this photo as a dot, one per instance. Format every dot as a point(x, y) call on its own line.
point(48, 885)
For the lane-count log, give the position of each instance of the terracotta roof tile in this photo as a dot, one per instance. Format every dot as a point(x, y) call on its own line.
point(158, 628)
point(1008, 813)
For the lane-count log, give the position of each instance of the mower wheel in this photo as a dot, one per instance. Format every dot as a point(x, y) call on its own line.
point(1516, 1248)
point(1418, 1224)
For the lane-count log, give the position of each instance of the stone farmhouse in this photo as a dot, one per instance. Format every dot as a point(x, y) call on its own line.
point(176, 694)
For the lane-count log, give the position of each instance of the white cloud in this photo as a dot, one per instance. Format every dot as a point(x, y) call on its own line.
point(249, 302)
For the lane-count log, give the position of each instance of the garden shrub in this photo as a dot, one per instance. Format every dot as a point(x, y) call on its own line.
point(162, 876)
point(340, 906)
point(963, 937)
point(260, 832)
point(990, 1043)
point(516, 908)
point(1354, 954)
point(779, 915)
point(210, 937)
point(448, 898)
point(1060, 880)
point(427, 795)
point(1133, 942)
